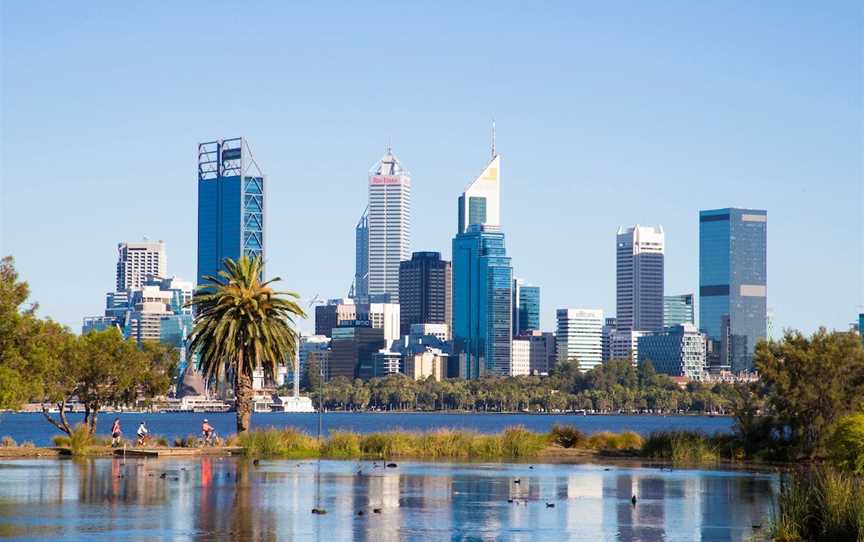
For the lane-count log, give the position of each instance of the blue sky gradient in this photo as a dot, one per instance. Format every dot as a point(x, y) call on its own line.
point(607, 114)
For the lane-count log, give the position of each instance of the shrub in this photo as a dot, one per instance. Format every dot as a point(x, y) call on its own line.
point(161, 441)
point(568, 436)
point(60, 440)
point(846, 444)
point(8, 442)
point(80, 440)
point(602, 440)
point(517, 442)
point(27, 444)
point(630, 440)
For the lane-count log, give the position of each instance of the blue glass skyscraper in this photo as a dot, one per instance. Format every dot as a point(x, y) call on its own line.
point(482, 280)
point(230, 205)
point(526, 307)
point(733, 282)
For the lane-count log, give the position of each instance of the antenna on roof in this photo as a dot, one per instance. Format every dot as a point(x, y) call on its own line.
point(493, 137)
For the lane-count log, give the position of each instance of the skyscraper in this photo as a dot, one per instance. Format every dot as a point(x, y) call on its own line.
point(580, 337)
point(136, 260)
point(361, 269)
point(389, 224)
point(526, 307)
point(425, 290)
point(733, 274)
point(230, 204)
point(639, 283)
point(677, 310)
point(482, 279)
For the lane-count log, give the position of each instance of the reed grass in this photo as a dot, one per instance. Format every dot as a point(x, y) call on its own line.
point(683, 447)
point(820, 504)
point(8, 442)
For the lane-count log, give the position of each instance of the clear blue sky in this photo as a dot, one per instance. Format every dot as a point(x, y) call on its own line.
point(607, 113)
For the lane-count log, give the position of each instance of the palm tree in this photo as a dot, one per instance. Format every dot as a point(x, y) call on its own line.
point(242, 324)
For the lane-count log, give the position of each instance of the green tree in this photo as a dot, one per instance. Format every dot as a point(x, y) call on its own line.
point(810, 383)
point(243, 324)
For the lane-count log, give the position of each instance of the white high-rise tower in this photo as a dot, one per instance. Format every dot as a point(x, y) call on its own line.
point(389, 223)
point(138, 259)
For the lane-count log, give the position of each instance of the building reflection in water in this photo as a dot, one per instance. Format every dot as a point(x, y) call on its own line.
point(230, 498)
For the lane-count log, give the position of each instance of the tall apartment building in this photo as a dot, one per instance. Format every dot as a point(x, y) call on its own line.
point(639, 280)
point(231, 205)
point(678, 309)
point(520, 364)
point(609, 327)
point(526, 307)
point(389, 226)
point(580, 337)
point(136, 260)
point(425, 290)
point(482, 280)
point(733, 283)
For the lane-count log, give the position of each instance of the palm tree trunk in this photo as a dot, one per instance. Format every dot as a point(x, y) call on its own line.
point(243, 393)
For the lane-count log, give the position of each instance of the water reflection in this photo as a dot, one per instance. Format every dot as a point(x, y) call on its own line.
point(234, 499)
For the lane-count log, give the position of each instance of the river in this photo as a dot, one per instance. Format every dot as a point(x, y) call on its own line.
point(34, 428)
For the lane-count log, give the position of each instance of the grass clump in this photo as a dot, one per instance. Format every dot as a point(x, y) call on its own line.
point(80, 440)
point(342, 445)
point(607, 441)
point(8, 442)
point(446, 443)
point(568, 436)
point(820, 504)
point(289, 442)
point(682, 446)
point(518, 443)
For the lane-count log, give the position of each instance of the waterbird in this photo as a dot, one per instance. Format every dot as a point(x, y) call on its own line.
point(633, 500)
point(256, 462)
point(163, 475)
point(361, 513)
point(319, 511)
point(392, 465)
point(509, 500)
point(517, 481)
point(376, 510)
point(550, 505)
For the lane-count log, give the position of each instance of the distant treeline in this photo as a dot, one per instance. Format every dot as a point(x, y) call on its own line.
point(615, 386)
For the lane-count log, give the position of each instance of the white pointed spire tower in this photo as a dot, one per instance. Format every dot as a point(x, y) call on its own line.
point(389, 226)
point(480, 202)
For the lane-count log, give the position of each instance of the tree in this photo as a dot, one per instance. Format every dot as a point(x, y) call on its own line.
point(242, 324)
point(810, 383)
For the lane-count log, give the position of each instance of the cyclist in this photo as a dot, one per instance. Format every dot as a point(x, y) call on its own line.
point(207, 432)
point(143, 433)
point(116, 434)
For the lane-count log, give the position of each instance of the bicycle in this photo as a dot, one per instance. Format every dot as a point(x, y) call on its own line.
point(210, 440)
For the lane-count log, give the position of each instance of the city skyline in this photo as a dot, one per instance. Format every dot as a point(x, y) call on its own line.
point(564, 176)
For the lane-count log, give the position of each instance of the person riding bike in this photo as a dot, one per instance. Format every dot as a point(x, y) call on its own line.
point(208, 432)
point(143, 433)
point(116, 434)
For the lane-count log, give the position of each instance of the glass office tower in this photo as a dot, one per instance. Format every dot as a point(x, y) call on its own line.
point(482, 280)
point(230, 205)
point(733, 283)
point(526, 307)
point(677, 310)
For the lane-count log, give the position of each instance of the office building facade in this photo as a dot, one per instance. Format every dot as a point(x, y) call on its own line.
point(639, 278)
point(137, 260)
point(624, 344)
point(520, 364)
point(482, 280)
point(678, 309)
point(231, 205)
point(425, 290)
point(678, 351)
point(733, 287)
point(609, 327)
point(526, 307)
point(361, 258)
point(580, 337)
point(351, 350)
point(389, 226)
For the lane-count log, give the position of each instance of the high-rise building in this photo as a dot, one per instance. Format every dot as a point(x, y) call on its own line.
point(639, 282)
point(137, 260)
point(351, 350)
point(389, 223)
point(542, 355)
point(346, 313)
point(425, 290)
point(677, 310)
point(230, 205)
point(733, 289)
point(861, 325)
point(482, 280)
point(520, 364)
point(624, 344)
point(580, 337)
point(608, 329)
point(336, 313)
point(526, 307)
point(361, 269)
point(678, 351)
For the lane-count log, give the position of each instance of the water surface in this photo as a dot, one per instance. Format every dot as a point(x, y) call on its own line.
point(33, 427)
point(233, 499)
